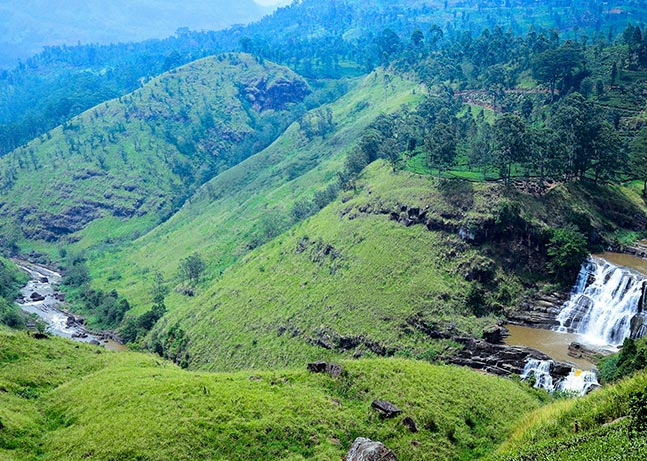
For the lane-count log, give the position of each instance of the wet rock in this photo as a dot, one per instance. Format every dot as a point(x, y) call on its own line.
point(59, 296)
point(386, 409)
point(580, 351)
point(70, 321)
point(495, 334)
point(410, 424)
point(500, 359)
point(35, 297)
point(43, 280)
point(538, 312)
point(94, 342)
point(367, 450)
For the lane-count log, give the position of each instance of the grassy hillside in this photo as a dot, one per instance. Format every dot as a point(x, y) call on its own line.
point(347, 281)
point(607, 424)
point(126, 165)
point(251, 202)
point(353, 281)
point(62, 400)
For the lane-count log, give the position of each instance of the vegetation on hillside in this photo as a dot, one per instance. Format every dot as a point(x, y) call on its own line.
point(11, 280)
point(63, 81)
point(127, 165)
point(607, 424)
point(66, 401)
point(397, 266)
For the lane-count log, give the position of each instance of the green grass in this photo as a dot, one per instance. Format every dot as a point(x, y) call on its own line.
point(348, 272)
point(119, 169)
point(66, 401)
point(550, 434)
point(228, 214)
point(350, 281)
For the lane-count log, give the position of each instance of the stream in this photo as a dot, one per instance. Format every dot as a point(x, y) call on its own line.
point(41, 297)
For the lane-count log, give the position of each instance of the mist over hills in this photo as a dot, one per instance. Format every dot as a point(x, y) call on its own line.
point(28, 26)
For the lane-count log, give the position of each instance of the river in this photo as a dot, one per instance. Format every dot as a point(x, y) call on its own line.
point(41, 297)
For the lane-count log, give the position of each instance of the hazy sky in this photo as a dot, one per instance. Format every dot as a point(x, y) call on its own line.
point(28, 25)
point(271, 2)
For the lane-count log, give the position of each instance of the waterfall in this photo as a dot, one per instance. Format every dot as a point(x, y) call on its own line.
point(540, 369)
point(605, 301)
point(577, 381)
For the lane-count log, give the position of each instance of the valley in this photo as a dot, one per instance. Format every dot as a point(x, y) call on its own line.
point(419, 223)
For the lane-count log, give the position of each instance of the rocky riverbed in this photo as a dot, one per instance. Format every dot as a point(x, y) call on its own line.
point(41, 297)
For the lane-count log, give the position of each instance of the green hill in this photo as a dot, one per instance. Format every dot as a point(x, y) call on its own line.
point(250, 203)
point(354, 281)
point(127, 165)
point(607, 424)
point(64, 401)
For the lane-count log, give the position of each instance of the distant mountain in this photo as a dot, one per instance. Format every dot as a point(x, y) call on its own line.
point(29, 25)
point(140, 156)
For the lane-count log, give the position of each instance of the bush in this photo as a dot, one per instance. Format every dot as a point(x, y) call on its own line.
point(567, 250)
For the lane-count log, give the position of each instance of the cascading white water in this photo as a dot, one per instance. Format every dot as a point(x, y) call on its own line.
point(540, 369)
point(604, 301)
point(577, 381)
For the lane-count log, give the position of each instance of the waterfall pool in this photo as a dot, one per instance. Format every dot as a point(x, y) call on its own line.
point(552, 343)
point(625, 260)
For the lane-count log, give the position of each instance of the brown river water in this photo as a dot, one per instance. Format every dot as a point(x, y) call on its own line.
point(549, 342)
point(630, 261)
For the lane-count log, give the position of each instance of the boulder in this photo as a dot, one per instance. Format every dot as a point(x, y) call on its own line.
point(367, 450)
point(410, 424)
point(385, 408)
point(332, 369)
point(317, 367)
point(35, 296)
point(495, 334)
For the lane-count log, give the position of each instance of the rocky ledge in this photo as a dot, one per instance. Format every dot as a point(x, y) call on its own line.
point(501, 359)
point(540, 311)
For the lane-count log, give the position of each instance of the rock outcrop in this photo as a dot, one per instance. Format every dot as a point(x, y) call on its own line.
point(501, 359)
point(386, 409)
point(367, 450)
point(332, 369)
point(540, 311)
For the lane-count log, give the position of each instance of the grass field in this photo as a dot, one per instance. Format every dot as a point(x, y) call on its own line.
point(64, 401)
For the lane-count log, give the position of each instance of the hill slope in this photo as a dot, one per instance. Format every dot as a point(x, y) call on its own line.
point(361, 277)
point(65, 401)
point(251, 203)
point(607, 424)
point(126, 165)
